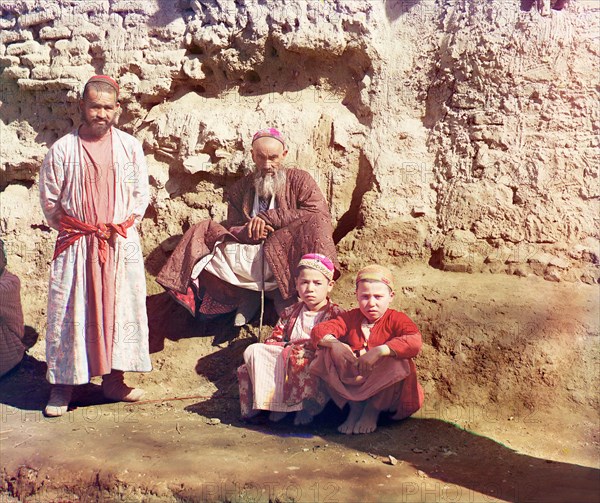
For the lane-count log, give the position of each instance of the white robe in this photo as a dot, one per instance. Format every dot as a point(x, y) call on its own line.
point(62, 180)
point(266, 366)
point(239, 264)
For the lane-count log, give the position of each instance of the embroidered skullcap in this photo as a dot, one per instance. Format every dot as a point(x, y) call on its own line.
point(319, 263)
point(376, 272)
point(269, 132)
point(106, 79)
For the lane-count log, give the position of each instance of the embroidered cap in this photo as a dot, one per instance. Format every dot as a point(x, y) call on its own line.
point(269, 132)
point(376, 272)
point(319, 263)
point(106, 79)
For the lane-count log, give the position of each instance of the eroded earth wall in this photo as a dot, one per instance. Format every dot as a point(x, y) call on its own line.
point(460, 133)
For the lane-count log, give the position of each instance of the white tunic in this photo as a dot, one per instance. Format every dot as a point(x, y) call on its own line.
point(266, 366)
point(239, 264)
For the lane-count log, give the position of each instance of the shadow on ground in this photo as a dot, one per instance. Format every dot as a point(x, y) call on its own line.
point(25, 387)
point(220, 368)
point(168, 320)
point(451, 463)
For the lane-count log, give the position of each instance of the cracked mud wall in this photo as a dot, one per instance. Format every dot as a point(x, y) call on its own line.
point(458, 133)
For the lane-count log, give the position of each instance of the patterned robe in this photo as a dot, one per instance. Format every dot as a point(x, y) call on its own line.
point(302, 224)
point(286, 359)
point(63, 191)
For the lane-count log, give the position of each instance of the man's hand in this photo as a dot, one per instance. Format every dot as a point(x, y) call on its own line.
point(370, 358)
point(258, 229)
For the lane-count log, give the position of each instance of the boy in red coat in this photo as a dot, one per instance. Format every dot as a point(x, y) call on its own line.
point(365, 355)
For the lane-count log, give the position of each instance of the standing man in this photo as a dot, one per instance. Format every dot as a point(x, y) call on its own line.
point(275, 215)
point(94, 190)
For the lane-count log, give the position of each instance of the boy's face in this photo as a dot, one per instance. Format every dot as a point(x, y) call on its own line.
point(313, 287)
point(373, 299)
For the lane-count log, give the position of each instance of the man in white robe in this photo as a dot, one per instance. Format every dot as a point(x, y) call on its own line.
point(94, 190)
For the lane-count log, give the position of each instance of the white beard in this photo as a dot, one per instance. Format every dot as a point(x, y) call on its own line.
point(269, 185)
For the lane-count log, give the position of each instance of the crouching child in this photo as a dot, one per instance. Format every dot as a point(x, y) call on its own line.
point(364, 356)
point(275, 374)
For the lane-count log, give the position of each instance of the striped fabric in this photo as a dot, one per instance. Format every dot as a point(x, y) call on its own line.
point(11, 322)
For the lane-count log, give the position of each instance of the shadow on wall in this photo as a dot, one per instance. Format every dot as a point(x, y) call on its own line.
point(168, 11)
point(168, 320)
point(527, 5)
point(351, 219)
point(157, 258)
point(395, 8)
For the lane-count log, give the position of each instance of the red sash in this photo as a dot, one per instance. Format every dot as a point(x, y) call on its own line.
point(71, 229)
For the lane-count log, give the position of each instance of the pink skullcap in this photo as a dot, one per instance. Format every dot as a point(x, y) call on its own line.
point(376, 272)
point(319, 263)
point(269, 132)
point(106, 79)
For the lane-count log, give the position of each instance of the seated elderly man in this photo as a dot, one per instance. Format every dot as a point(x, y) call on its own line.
point(12, 329)
point(275, 216)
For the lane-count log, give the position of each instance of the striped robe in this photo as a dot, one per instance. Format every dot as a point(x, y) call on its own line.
point(12, 329)
point(275, 374)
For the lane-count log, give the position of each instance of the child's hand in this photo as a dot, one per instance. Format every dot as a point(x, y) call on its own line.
point(370, 358)
point(342, 354)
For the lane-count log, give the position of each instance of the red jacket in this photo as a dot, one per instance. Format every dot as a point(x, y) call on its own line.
point(394, 329)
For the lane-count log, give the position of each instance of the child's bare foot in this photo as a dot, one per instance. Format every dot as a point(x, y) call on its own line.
point(303, 417)
point(347, 427)
point(277, 416)
point(368, 420)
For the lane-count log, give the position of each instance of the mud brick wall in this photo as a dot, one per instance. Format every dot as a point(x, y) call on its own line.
point(459, 133)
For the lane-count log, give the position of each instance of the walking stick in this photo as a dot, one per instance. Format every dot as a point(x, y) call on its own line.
point(262, 293)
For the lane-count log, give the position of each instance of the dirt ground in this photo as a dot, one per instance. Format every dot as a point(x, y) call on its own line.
point(510, 368)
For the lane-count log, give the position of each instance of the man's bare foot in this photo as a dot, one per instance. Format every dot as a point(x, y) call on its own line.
point(277, 416)
point(347, 427)
point(58, 403)
point(368, 420)
point(303, 417)
point(114, 388)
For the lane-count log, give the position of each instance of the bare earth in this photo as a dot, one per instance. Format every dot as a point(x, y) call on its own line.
point(510, 369)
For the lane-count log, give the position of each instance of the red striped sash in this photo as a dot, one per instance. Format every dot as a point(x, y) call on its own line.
point(71, 229)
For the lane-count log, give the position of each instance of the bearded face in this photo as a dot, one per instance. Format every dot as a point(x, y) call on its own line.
point(270, 183)
point(99, 110)
point(268, 155)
